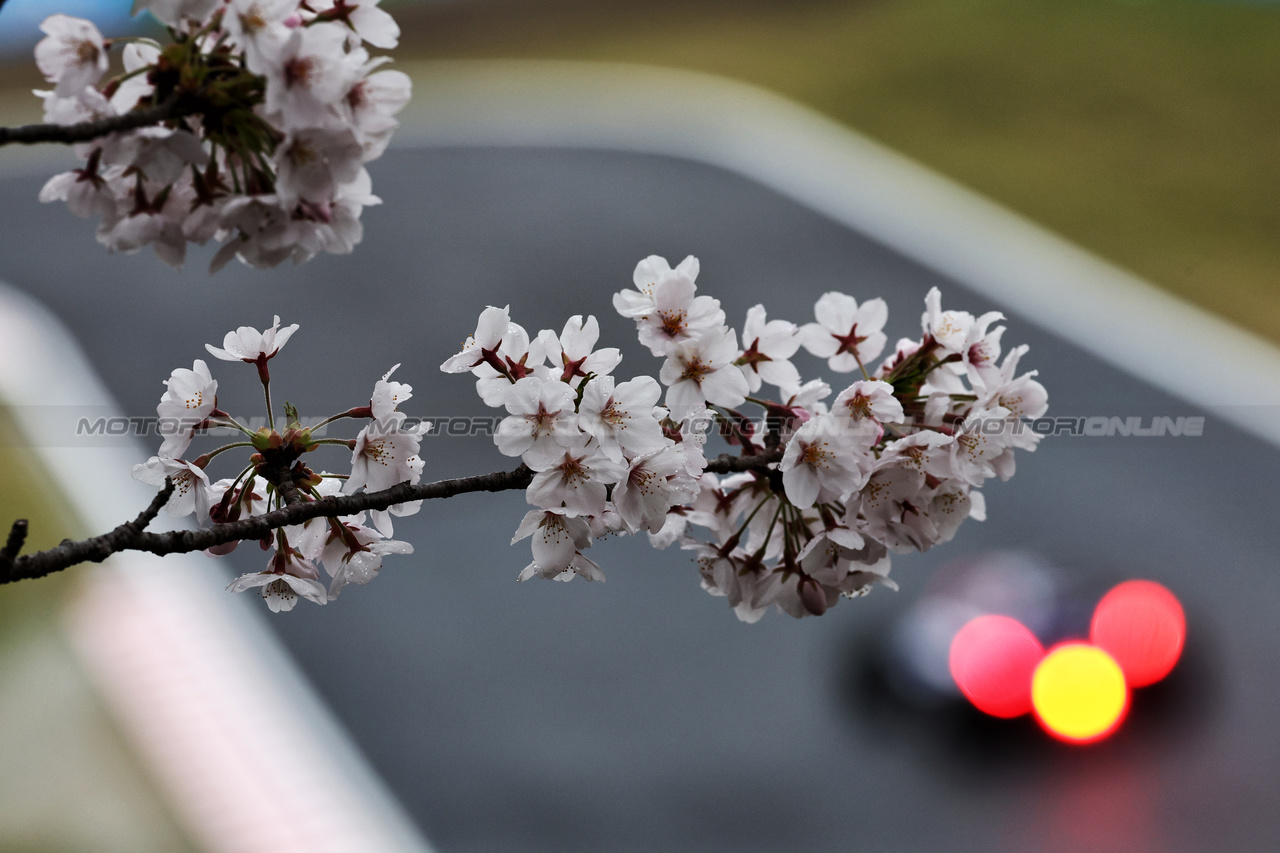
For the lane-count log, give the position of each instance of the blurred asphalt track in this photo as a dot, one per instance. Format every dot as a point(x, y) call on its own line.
point(639, 714)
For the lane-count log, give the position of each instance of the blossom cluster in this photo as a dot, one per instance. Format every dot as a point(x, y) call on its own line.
point(825, 485)
point(892, 464)
point(282, 108)
point(350, 548)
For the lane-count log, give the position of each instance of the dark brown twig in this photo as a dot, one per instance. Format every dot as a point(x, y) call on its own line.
point(33, 134)
point(13, 545)
point(132, 536)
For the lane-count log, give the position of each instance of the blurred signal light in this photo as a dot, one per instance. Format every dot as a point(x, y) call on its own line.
point(992, 660)
point(1079, 690)
point(1079, 693)
point(1142, 626)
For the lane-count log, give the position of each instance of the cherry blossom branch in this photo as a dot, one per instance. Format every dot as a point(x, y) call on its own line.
point(132, 535)
point(34, 134)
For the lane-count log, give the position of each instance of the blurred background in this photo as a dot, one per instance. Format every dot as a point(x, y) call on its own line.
point(1145, 132)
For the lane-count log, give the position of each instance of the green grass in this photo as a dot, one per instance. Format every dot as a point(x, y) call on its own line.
point(26, 493)
point(69, 780)
point(1146, 133)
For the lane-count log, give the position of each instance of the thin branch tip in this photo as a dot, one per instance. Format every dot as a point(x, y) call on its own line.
point(12, 547)
point(17, 537)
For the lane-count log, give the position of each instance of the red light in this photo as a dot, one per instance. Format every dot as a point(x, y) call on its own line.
point(992, 660)
point(1141, 625)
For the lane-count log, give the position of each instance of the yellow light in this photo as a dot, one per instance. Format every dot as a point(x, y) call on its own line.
point(1079, 693)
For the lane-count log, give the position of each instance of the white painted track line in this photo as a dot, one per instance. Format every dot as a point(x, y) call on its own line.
point(249, 758)
point(1176, 346)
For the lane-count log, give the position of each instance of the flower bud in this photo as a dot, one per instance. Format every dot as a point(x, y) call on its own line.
point(813, 597)
point(262, 439)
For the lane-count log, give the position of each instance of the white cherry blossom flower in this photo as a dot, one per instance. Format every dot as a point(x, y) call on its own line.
point(259, 231)
point(827, 572)
point(190, 398)
point(190, 484)
point(649, 273)
point(581, 566)
point(695, 429)
point(949, 328)
point(86, 105)
point(573, 352)
point(653, 484)
point(333, 226)
point(807, 398)
point(926, 452)
point(733, 576)
point(312, 163)
point(388, 395)
point(1022, 395)
point(620, 417)
point(721, 504)
point(846, 334)
point(871, 400)
point(672, 530)
point(982, 349)
point(371, 104)
point(703, 510)
point(980, 450)
point(841, 540)
point(161, 154)
point(801, 594)
point(541, 416)
point(385, 455)
point(136, 56)
point(678, 315)
point(72, 55)
point(950, 503)
point(281, 591)
point(905, 514)
point(249, 345)
point(605, 522)
point(146, 214)
point(897, 503)
point(701, 370)
point(487, 337)
point(821, 463)
point(86, 192)
point(258, 28)
point(767, 348)
point(517, 357)
point(358, 559)
point(310, 537)
point(365, 19)
point(558, 538)
point(308, 76)
point(574, 476)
